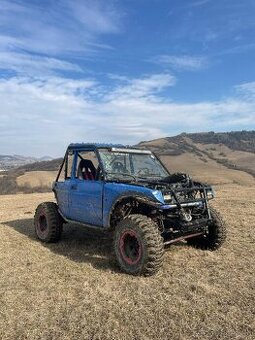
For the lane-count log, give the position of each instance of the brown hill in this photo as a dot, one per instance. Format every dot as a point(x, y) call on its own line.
point(28, 178)
point(214, 157)
point(50, 165)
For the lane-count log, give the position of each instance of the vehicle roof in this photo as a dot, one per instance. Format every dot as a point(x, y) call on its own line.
point(93, 146)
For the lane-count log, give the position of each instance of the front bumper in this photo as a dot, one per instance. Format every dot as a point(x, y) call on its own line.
point(199, 203)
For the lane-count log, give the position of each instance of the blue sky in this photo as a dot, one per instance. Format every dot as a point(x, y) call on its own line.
point(122, 71)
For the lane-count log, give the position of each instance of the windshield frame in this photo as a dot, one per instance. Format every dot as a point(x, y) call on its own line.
point(128, 177)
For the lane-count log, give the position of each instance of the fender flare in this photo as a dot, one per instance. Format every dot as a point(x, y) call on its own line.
point(132, 196)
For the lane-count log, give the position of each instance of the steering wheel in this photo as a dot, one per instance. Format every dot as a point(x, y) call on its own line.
point(118, 167)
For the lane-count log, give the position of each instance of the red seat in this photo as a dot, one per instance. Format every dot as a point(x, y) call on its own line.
point(87, 170)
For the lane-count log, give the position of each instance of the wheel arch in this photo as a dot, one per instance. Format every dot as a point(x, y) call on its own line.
point(130, 204)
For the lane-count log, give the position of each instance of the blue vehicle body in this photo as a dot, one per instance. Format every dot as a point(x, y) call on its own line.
point(129, 192)
point(91, 202)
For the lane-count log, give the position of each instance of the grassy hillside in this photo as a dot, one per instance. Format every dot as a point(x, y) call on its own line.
point(52, 165)
point(236, 140)
point(218, 157)
point(35, 179)
point(28, 178)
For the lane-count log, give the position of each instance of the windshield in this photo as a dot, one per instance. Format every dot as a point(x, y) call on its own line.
point(131, 165)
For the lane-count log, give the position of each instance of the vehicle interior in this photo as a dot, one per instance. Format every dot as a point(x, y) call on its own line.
point(87, 167)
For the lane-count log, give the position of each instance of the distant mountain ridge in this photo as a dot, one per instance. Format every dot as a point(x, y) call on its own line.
point(50, 165)
point(13, 161)
point(235, 140)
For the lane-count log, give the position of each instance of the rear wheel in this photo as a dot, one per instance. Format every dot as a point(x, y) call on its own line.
point(138, 245)
point(48, 222)
point(216, 235)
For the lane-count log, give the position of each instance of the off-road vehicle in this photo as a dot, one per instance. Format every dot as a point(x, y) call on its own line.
point(128, 192)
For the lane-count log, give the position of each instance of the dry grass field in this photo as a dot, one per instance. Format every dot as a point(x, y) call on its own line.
point(72, 290)
point(37, 179)
point(241, 158)
point(210, 171)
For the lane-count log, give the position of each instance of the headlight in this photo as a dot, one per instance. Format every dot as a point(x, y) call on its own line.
point(167, 197)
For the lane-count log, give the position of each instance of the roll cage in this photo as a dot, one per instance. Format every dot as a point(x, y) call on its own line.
point(102, 173)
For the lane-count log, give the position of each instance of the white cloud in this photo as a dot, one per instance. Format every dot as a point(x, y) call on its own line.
point(95, 16)
point(141, 87)
point(198, 3)
point(182, 62)
point(247, 90)
point(42, 115)
point(34, 64)
point(67, 27)
point(39, 39)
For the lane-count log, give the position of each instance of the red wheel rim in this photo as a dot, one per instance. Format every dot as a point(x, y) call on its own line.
point(130, 247)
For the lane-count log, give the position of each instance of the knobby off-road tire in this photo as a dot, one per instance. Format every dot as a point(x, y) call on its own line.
point(138, 245)
point(48, 222)
point(216, 234)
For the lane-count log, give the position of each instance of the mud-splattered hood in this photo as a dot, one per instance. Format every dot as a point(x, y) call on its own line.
point(178, 184)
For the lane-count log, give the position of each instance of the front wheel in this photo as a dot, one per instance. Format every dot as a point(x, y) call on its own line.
point(216, 235)
point(138, 245)
point(48, 222)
